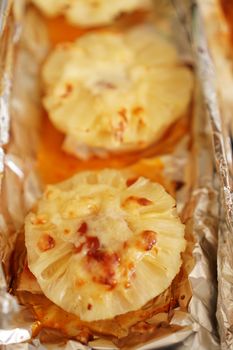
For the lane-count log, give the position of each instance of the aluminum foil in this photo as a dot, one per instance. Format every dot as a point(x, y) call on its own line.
point(197, 200)
point(220, 47)
point(5, 73)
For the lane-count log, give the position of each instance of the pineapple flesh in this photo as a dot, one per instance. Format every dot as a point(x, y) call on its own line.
point(104, 243)
point(88, 12)
point(115, 92)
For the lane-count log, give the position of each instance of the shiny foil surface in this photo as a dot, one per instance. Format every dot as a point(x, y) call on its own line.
point(194, 166)
point(220, 46)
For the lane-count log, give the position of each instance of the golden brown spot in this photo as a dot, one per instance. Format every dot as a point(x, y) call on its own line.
point(122, 112)
point(137, 110)
point(108, 263)
point(68, 90)
point(66, 231)
point(140, 200)
point(128, 270)
point(148, 239)
point(127, 285)
point(131, 181)
point(132, 270)
point(119, 131)
point(144, 201)
point(80, 283)
point(79, 248)
point(89, 307)
point(133, 274)
point(83, 228)
point(106, 85)
point(39, 220)
point(141, 123)
point(71, 214)
point(131, 265)
point(46, 242)
point(93, 245)
point(108, 281)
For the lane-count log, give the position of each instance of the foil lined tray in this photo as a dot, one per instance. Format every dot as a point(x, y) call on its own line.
point(198, 200)
point(220, 47)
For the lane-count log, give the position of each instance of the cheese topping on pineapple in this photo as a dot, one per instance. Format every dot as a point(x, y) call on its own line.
point(90, 12)
point(115, 92)
point(104, 243)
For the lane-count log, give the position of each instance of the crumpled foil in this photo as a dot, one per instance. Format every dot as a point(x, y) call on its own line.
point(197, 200)
point(5, 73)
point(221, 49)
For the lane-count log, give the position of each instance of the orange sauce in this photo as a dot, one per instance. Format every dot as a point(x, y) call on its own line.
point(60, 31)
point(55, 165)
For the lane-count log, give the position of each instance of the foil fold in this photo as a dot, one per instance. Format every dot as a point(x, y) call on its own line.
point(198, 201)
point(6, 59)
point(220, 47)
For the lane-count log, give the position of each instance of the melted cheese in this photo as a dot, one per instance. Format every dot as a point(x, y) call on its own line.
point(90, 12)
point(99, 243)
point(122, 101)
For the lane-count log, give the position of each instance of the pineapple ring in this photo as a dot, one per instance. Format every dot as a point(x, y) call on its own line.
point(114, 92)
point(90, 12)
point(104, 243)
